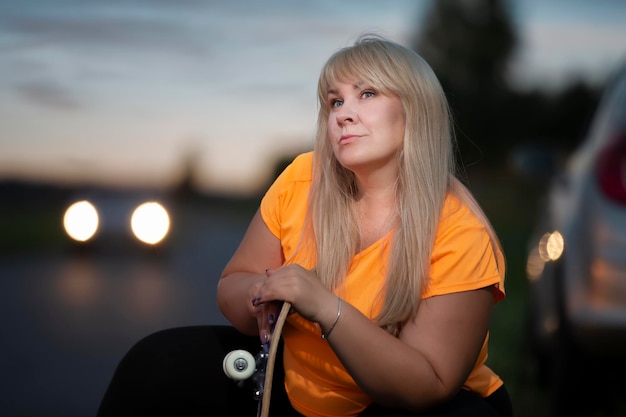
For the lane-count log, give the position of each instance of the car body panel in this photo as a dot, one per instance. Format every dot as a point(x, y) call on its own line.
point(584, 291)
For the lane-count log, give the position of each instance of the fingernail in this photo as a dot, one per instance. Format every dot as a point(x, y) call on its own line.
point(265, 338)
point(271, 319)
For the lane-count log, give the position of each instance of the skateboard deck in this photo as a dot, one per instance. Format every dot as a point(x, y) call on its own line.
point(271, 360)
point(237, 364)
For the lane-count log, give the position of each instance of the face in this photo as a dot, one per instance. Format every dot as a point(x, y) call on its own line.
point(366, 127)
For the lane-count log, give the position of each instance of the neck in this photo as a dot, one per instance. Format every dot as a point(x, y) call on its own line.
point(376, 212)
point(377, 186)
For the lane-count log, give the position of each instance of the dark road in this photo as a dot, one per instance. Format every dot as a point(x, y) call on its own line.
point(67, 318)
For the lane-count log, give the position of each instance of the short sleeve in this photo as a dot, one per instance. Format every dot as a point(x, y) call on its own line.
point(283, 207)
point(463, 257)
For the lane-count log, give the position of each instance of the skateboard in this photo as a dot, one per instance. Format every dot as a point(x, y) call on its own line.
point(240, 365)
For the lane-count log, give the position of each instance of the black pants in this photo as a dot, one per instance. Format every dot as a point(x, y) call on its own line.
point(178, 372)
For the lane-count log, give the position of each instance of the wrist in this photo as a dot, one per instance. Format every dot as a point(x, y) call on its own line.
point(326, 333)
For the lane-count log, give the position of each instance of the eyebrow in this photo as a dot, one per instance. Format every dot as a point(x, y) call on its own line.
point(356, 86)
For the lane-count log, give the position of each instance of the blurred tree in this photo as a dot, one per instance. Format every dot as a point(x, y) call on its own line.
point(570, 113)
point(468, 43)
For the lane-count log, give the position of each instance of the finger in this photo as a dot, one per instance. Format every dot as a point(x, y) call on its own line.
point(254, 297)
point(266, 320)
point(273, 310)
point(263, 323)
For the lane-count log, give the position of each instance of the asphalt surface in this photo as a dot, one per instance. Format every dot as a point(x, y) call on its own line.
point(67, 317)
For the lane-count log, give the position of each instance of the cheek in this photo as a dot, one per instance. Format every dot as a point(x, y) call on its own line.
point(398, 121)
point(331, 124)
point(333, 131)
point(401, 125)
point(393, 121)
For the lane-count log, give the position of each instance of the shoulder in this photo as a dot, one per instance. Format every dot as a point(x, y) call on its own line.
point(300, 168)
point(297, 173)
point(283, 207)
point(457, 214)
point(463, 257)
point(289, 192)
point(460, 234)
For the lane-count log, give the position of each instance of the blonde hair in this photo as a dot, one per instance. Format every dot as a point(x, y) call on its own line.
point(426, 174)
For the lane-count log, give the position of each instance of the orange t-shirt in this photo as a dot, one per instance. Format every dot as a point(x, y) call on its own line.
point(462, 260)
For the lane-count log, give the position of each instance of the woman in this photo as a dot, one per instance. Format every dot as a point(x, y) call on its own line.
point(391, 267)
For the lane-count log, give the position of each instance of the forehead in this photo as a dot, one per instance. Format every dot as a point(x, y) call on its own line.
point(336, 85)
point(355, 73)
point(346, 69)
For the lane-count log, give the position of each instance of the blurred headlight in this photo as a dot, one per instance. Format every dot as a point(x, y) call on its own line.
point(534, 265)
point(551, 246)
point(150, 222)
point(81, 221)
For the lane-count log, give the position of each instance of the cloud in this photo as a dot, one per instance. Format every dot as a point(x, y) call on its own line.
point(48, 94)
point(93, 30)
point(137, 75)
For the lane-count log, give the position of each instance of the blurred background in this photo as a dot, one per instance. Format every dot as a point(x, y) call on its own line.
point(197, 105)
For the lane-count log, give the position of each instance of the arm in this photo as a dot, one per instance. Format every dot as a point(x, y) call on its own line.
point(259, 250)
point(426, 364)
point(431, 358)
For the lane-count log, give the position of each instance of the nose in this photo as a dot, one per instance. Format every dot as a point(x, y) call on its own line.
point(346, 114)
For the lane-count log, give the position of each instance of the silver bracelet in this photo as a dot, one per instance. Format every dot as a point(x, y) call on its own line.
point(325, 335)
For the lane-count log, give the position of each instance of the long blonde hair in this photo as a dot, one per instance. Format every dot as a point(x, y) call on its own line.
point(426, 174)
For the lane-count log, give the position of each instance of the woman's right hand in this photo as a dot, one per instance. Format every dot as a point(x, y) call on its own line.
point(266, 313)
point(298, 286)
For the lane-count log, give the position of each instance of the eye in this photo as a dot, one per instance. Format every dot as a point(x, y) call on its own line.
point(335, 102)
point(368, 94)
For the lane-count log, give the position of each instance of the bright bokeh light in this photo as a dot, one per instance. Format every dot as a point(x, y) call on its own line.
point(150, 222)
point(534, 265)
point(81, 221)
point(551, 246)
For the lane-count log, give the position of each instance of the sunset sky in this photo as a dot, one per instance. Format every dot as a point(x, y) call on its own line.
point(123, 92)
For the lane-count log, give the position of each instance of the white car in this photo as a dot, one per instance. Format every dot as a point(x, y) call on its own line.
point(577, 266)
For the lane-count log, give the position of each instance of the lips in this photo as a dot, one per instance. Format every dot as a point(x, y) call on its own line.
point(347, 138)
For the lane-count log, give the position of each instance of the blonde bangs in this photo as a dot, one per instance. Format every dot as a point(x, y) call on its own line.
point(360, 63)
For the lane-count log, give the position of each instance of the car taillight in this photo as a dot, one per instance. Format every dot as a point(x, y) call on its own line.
point(611, 169)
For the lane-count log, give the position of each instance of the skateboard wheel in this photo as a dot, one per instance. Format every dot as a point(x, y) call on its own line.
point(239, 365)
